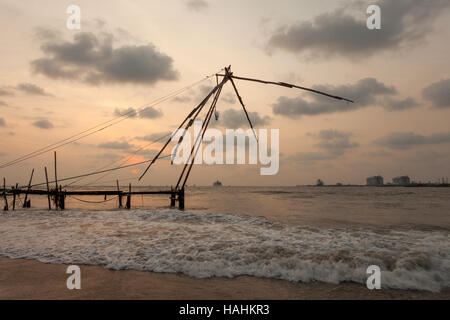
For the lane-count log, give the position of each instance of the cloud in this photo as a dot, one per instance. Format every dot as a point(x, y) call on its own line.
point(43, 124)
point(228, 97)
point(2, 154)
point(149, 113)
point(332, 144)
point(341, 33)
point(400, 105)
point(236, 119)
point(335, 141)
point(406, 140)
point(130, 112)
point(364, 92)
point(379, 154)
point(149, 152)
point(197, 5)
point(205, 89)
point(153, 137)
point(5, 92)
point(197, 94)
point(93, 59)
point(182, 99)
point(2, 122)
point(310, 157)
point(438, 94)
point(427, 158)
point(107, 156)
point(3, 103)
point(116, 145)
point(32, 89)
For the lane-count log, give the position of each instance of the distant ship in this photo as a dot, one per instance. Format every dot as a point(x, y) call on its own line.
point(319, 183)
point(217, 184)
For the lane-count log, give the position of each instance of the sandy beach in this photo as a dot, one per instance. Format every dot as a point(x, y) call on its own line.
point(29, 279)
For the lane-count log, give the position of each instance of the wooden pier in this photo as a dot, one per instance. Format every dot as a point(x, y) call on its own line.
point(58, 196)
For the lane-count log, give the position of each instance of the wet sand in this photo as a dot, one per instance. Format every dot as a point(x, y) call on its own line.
point(30, 279)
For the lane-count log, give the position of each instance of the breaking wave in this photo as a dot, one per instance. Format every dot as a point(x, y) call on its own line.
point(207, 244)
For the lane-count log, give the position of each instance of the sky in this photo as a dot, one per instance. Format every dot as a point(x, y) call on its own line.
point(56, 82)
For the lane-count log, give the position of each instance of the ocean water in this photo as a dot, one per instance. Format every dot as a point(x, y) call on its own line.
point(306, 234)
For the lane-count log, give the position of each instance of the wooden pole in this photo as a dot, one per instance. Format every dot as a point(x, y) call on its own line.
point(118, 194)
point(199, 139)
point(172, 197)
point(48, 190)
point(198, 142)
point(129, 197)
point(25, 202)
point(194, 113)
point(62, 199)
point(56, 184)
point(243, 106)
point(4, 194)
point(181, 199)
point(14, 196)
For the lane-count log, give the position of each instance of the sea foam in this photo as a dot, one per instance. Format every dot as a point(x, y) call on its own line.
point(224, 245)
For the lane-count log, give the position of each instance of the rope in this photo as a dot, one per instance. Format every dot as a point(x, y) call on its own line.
point(103, 125)
point(123, 162)
point(107, 181)
point(92, 173)
point(103, 201)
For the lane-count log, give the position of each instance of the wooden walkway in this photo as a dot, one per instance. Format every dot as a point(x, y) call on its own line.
point(57, 197)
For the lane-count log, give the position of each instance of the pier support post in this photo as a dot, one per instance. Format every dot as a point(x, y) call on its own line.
point(118, 194)
point(48, 190)
point(62, 199)
point(172, 197)
point(181, 199)
point(5, 208)
point(14, 197)
point(128, 205)
point(26, 202)
point(56, 185)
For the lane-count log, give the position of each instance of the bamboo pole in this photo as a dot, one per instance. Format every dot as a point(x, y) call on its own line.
point(56, 185)
point(4, 194)
point(118, 194)
point(192, 116)
point(243, 107)
point(172, 197)
point(181, 199)
point(129, 197)
point(199, 139)
point(48, 190)
point(62, 199)
point(25, 203)
point(14, 196)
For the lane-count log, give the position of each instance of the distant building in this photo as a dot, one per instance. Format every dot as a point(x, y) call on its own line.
point(319, 183)
point(375, 181)
point(401, 181)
